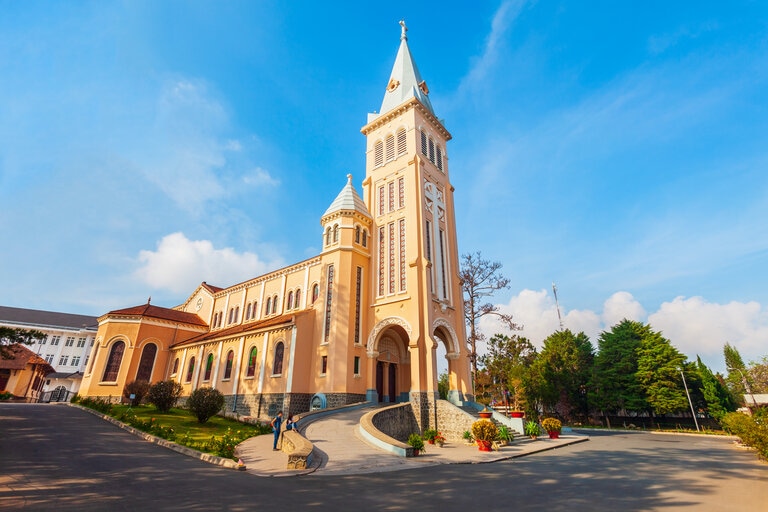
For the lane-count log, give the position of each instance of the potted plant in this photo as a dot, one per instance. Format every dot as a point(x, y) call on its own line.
point(531, 429)
point(439, 439)
point(552, 426)
point(429, 435)
point(486, 413)
point(467, 436)
point(505, 436)
point(417, 443)
point(484, 431)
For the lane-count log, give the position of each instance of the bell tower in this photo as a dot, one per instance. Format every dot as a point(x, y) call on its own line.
point(416, 297)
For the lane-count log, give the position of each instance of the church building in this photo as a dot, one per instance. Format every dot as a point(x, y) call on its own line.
point(361, 321)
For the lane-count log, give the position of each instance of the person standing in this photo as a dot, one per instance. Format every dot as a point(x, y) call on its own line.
point(276, 423)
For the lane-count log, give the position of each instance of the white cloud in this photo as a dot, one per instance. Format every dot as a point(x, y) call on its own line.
point(180, 264)
point(693, 325)
point(696, 326)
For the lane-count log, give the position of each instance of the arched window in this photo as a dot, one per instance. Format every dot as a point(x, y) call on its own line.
point(357, 234)
point(274, 304)
point(378, 153)
point(228, 367)
point(248, 312)
point(221, 319)
point(401, 142)
point(290, 300)
point(424, 150)
point(231, 315)
point(190, 370)
point(335, 233)
point(365, 238)
point(175, 366)
point(237, 313)
point(297, 298)
point(277, 367)
point(147, 362)
point(315, 292)
point(328, 236)
point(113, 362)
point(255, 309)
point(215, 319)
point(431, 150)
point(390, 147)
point(251, 370)
point(208, 367)
point(439, 157)
point(269, 305)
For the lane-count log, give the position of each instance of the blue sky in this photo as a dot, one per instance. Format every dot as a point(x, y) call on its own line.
point(619, 149)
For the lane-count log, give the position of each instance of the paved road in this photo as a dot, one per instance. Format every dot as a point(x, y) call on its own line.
point(60, 458)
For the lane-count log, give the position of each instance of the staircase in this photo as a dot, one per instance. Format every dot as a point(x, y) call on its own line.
point(499, 419)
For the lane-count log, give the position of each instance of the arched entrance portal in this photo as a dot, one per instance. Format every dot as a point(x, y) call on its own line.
point(392, 366)
point(448, 348)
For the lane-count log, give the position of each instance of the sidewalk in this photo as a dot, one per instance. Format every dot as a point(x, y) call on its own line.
point(339, 450)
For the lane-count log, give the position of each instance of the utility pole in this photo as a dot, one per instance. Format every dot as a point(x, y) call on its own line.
point(557, 305)
point(689, 400)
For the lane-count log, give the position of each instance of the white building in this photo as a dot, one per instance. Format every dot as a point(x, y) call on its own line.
point(66, 347)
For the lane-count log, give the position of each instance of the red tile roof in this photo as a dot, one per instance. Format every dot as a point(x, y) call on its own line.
point(150, 311)
point(21, 356)
point(239, 329)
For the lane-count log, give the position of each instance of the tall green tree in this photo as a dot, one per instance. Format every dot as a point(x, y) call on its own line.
point(738, 378)
point(614, 386)
point(658, 372)
point(562, 371)
point(13, 335)
point(507, 361)
point(718, 398)
point(758, 372)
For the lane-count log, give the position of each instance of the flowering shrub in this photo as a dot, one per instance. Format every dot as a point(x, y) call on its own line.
point(484, 430)
point(439, 439)
point(551, 424)
point(6, 395)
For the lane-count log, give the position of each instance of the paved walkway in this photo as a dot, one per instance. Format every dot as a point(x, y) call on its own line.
point(339, 450)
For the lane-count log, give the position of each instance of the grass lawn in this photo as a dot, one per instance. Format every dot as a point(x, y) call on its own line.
point(185, 424)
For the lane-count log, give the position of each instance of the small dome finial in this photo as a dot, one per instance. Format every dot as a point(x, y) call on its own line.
point(349, 178)
point(403, 31)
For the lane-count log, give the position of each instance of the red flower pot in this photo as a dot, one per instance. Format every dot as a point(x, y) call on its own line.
point(554, 434)
point(517, 414)
point(483, 446)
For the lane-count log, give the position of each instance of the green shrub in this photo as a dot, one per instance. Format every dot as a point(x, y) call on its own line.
point(416, 442)
point(752, 430)
point(205, 402)
point(163, 395)
point(97, 404)
point(430, 434)
point(137, 388)
point(6, 395)
point(505, 434)
point(484, 430)
point(551, 424)
point(532, 428)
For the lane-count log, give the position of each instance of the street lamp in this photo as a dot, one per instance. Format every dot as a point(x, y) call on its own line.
point(689, 400)
point(747, 387)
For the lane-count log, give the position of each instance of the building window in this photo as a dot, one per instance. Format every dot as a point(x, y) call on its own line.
point(55, 340)
point(336, 233)
point(208, 368)
point(49, 358)
point(365, 238)
point(391, 192)
point(357, 234)
point(85, 363)
point(251, 370)
point(190, 370)
point(80, 342)
point(297, 298)
point(269, 305)
point(402, 147)
point(401, 228)
point(358, 295)
point(401, 192)
point(431, 150)
point(70, 341)
point(381, 200)
point(439, 157)
point(92, 340)
point(315, 292)
point(328, 303)
point(391, 257)
point(390, 147)
point(378, 153)
point(274, 304)
point(290, 300)
point(147, 362)
point(237, 314)
point(324, 365)
point(42, 341)
point(442, 266)
point(75, 360)
point(231, 316)
point(63, 360)
point(423, 143)
point(215, 319)
point(357, 365)
point(382, 261)
point(328, 236)
point(429, 241)
point(277, 367)
point(113, 362)
point(248, 312)
point(175, 366)
point(228, 366)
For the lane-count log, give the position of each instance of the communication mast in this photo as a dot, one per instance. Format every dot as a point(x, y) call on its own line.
point(557, 305)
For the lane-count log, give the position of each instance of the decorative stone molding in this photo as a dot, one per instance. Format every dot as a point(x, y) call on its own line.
point(387, 322)
point(452, 349)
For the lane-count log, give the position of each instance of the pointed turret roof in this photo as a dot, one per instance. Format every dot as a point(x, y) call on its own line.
point(405, 81)
point(348, 199)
